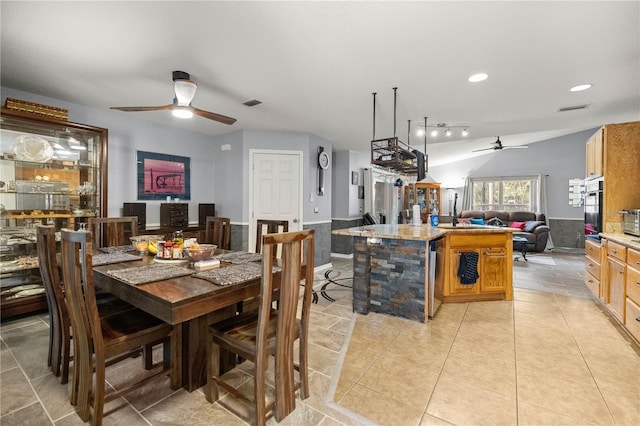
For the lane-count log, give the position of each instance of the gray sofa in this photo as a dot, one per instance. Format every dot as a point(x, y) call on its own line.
point(535, 229)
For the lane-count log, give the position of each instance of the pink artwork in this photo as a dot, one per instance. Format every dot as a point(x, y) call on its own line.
point(161, 175)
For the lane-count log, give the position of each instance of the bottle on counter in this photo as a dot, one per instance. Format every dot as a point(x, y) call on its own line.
point(434, 217)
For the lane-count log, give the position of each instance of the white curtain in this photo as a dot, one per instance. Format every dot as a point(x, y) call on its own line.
point(543, 206)
point(467, 195)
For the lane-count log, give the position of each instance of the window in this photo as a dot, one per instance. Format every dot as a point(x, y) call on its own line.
point(519, 193)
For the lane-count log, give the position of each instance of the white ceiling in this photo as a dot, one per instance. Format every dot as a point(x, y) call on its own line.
point(315, 65)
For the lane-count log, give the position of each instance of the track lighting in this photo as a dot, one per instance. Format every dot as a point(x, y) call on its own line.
point(447, 129)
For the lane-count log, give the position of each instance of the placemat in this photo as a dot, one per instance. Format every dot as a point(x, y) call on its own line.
point(239, 257)
point(107, 258)
point(235, 274)
point(149, 273)
point(116, 249)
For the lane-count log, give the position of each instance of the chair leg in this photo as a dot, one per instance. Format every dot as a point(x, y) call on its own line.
point(259, 392)
point(65, 350)
point(213, 369)
point(147, 351)
point(55, 348)
point(303, 369)
point(98, 393)
point(51, 344)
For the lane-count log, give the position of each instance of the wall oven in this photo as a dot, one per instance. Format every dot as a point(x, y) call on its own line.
point(593, 208)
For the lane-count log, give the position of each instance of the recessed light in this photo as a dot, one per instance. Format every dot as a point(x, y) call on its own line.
point(478, 77)
point(580, 87)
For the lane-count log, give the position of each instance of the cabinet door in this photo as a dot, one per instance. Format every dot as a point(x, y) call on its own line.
point(455, 286)
point(594, 155)
point(616, 272)
point(493, 264)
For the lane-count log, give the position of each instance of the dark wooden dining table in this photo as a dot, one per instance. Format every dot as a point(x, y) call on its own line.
point(189, 304)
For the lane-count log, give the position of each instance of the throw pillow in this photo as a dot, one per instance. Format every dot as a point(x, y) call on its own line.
point(477, 221)
point(531, 225)
point(517, 225)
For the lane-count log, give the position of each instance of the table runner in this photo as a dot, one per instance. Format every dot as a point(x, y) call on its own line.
point(235, 274)
point(107, 258)
point(239, 257)
point(149, 273)
point(116, 249)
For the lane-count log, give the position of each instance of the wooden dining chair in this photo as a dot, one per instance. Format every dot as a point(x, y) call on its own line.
point(218, 231)
point(270, 331)
point(113, 231)
point(264, 226)
point(59, 355)
point(99, 342)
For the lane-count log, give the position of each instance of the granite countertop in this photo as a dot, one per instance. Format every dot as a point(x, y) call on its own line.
point(624, 239)
point(421, 233)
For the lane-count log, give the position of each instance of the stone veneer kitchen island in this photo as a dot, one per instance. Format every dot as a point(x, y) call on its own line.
point(391, 267)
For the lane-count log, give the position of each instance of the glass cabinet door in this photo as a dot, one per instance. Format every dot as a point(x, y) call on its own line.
point(51, 172)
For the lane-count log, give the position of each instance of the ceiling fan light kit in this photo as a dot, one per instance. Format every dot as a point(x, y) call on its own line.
point(185, 90)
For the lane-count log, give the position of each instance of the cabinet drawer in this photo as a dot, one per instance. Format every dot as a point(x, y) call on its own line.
point(593, 283)
point(592, 266)
point(616, 250)
point(633, 284)
point(592, 249)
point(632, 322)
point(478, 240)
point(633, 258)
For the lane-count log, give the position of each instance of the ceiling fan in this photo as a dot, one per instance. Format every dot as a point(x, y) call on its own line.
point(185, 90)
point(497, 145)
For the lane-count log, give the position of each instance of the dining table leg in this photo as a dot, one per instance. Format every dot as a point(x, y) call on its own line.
point(195, 334)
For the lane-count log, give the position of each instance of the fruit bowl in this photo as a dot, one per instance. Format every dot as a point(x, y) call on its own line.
point(144, 244)
point(198, 252)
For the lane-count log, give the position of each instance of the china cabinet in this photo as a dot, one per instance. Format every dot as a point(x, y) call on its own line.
point(52, 172)
point(426, 195)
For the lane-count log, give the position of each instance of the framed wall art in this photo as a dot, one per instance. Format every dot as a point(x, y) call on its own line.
point(161, 176)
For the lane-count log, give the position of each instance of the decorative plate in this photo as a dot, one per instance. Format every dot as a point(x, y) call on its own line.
point(25, 293)
point(32, 148)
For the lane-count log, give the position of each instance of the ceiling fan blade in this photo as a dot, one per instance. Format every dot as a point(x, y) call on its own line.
point(213, 116)
point(484, 149)
point(515, 147)
point(142, 108)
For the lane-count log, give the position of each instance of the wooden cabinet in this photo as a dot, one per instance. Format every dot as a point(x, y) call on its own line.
point(613, 152)
point(425, 194)
point(594, 154)
point(632, 312)
point(592, 266)
point(495, 263)
point(52, 172)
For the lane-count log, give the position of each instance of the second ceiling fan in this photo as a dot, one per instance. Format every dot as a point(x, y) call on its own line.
point(497, 145)
point(185, 90)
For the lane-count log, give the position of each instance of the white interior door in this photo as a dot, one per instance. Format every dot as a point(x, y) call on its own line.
point(275, 189)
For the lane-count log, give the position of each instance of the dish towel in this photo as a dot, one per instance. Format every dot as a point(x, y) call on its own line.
point(468, 268)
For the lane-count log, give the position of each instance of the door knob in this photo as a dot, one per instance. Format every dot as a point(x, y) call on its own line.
point(295, 220)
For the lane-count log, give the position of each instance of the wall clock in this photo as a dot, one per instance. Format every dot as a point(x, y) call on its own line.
point(324, 161)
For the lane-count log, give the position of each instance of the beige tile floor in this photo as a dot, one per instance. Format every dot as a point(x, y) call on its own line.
point(550, 356)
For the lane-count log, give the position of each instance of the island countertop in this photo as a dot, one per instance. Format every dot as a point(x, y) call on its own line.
point(420, 233)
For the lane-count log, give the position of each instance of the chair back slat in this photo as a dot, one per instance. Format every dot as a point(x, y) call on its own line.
point(218, 231)
point(113, 231)
point(264, 226)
